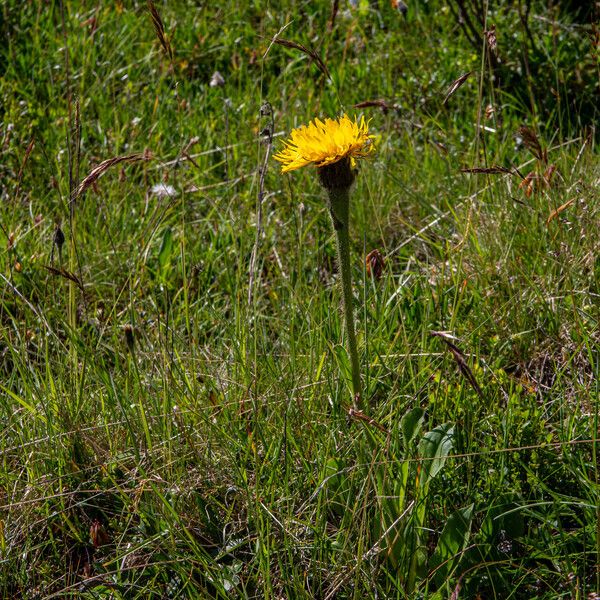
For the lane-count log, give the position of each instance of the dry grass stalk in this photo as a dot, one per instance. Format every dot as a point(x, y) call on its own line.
point(533, 144)
point(533, 182)
point(558, 210)
point(266, 110)
point(459, 358)
point(310, 53)
point(455, 85)
point(23, 163)
point(381, 103)
point(335, 7)
point(66, 274)
point(96, 172)
point(159, 28)
point(358, 415)
point(549, 174)
point(528, 183)
point(493, 170)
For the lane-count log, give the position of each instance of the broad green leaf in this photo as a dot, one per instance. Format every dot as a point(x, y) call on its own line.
point(434, 447)
point(452, 542)
point(411, 424)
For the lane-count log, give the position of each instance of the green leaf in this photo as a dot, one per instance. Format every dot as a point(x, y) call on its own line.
point(411, 424)
point(452, 542)
point(166, 250)
point(332, 473)
point(337, 485)
point(24, 403)
point(435, 446)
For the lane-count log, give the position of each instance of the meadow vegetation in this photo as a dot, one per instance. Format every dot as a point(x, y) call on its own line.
point(176, 416)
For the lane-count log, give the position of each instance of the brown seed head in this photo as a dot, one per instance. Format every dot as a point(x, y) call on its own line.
point(129, 337)
point(375, 264)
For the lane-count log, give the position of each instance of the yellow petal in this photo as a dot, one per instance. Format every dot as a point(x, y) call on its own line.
point(325, 142)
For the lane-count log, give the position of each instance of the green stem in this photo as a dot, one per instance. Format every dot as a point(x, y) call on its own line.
point(339, 208)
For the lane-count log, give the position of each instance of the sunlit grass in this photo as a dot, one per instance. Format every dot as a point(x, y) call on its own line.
point(174, 422)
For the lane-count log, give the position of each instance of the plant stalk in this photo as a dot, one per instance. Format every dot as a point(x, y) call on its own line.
point(339, 208)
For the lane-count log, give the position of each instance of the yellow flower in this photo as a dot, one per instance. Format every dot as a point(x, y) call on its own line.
point(324, 143)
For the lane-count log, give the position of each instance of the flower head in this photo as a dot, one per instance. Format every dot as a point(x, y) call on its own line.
point(326, 142)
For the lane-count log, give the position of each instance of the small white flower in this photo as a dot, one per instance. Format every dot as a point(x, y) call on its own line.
point(217, 80)
point(162, 190)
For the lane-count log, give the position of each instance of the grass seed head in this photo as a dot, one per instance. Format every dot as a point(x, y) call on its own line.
point(375, 264)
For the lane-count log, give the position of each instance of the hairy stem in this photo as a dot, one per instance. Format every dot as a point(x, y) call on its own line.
point(339, 208)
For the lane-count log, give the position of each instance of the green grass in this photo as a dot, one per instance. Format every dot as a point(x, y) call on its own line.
point(174, 424)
